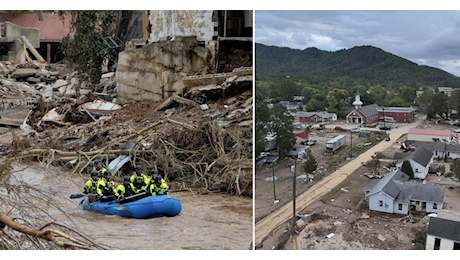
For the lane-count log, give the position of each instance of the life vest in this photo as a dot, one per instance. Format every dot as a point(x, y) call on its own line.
point(107, 187)
point(92, 185)
point(100, 172)
point(159, 190)
point(138, 181)
point(126, 191)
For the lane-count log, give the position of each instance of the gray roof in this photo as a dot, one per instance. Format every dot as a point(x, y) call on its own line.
point(397, 109)
point(396, 186)
point(444, 228)
point(421, 155)
point(387, 185)
point(435, 146)
point(321, 114)
point(368, 111)
point(422, 192)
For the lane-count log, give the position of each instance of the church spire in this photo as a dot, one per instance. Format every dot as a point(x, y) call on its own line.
point(357, 102)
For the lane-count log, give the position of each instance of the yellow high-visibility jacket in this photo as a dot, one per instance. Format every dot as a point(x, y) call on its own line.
point(140, 182)
point(100, 172)
point(106, 188)
point(90, 184)
point(161, 190)
point(121, 190)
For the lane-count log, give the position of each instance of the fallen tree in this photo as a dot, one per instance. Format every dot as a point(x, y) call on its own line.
point(204, 156)
point(26, 224)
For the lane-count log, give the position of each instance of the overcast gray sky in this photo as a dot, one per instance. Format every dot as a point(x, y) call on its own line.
point(429, 38)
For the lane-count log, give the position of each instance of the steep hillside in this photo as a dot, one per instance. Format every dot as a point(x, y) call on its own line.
point(364, 62)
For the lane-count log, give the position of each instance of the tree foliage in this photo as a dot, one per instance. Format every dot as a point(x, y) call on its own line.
point(84, 47)
point(407, 169)
point(455, 168)
point(262, 120)
point(336, 99)
point(310, 165)
point(281, 125)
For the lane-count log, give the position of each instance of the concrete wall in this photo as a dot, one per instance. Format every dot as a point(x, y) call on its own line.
point(155, 71)
point(167, 24)
point(14, 32)
point(425, 138)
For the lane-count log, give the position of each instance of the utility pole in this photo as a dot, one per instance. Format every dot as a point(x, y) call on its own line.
point(293, 196)
point(351, 144)
point(274, 191)
point(384, 128)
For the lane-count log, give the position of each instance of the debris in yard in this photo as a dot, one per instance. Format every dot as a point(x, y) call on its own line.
point(343, 189)
point(330, 235)
point(337, 223)
point(365, 216)
point(381, 238)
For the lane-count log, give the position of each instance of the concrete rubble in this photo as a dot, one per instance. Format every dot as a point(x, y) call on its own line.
point(71, 123)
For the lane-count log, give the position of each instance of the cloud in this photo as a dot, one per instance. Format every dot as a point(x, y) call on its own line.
point(430, 38)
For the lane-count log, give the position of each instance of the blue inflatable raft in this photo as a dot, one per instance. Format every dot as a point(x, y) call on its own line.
point(147, 207)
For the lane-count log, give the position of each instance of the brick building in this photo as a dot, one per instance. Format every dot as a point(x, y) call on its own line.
point(400, 114)
point(373, 113)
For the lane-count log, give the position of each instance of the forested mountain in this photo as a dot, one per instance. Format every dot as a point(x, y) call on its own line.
point(364, 62)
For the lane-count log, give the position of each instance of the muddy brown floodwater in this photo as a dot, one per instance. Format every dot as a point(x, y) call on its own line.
point(205, 222)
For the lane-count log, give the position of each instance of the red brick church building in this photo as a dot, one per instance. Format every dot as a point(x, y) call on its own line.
point(373, 113)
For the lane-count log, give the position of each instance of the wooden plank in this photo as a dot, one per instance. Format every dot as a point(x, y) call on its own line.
point(145, 25)
point(48, 53)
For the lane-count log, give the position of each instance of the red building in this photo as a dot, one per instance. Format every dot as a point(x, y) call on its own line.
point(372, 113)
point(400, 114)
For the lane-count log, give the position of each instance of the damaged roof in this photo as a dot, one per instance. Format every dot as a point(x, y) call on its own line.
point(386, 184)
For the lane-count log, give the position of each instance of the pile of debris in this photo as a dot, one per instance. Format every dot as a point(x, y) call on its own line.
point(201, 139)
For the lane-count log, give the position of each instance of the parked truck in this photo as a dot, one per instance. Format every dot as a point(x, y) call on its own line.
point(334, 144)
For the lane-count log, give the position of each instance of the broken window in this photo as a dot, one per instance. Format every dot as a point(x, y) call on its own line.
point(417, 203)
point(400, 206)
point(456, 246)
point(435, 206)
point(437, 243)
point(380, 203)
point(416, 170)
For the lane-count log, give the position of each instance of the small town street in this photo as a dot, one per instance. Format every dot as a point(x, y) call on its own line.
point(266, 225)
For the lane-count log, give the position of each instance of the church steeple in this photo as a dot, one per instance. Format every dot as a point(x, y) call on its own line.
point(357, 102)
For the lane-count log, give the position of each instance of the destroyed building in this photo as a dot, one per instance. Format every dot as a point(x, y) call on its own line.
point(188, 43)
point(45, 35)
point(170, 105)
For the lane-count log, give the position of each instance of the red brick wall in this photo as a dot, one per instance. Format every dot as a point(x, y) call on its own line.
point(400, 117)
point(311, 119)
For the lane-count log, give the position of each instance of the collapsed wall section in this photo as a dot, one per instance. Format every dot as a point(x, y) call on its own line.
point(155, 71)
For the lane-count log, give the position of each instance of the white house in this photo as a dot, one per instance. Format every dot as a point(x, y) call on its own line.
point(444, 231)
point(394, 194)
point(439, 149)
point(420, 160)
point(446, 90)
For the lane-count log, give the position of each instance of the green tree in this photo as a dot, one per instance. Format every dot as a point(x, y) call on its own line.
point(379, 94)
point(262, 119)
point(425, 101)
point(408, 94)
point(317, 103)
point(336, 98)
point(281, 125)
point(438, 106)
point(308, 93)
point(455, 168)
point(86, 48)
point(310, 165)
point(407, 169)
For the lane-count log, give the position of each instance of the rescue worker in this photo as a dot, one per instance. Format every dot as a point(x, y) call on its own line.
point(106, 187)
point(126, 189)
point(139, 180)
point(157, 187)
point(98, 167)
point(154, 173)
point(91, 184)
